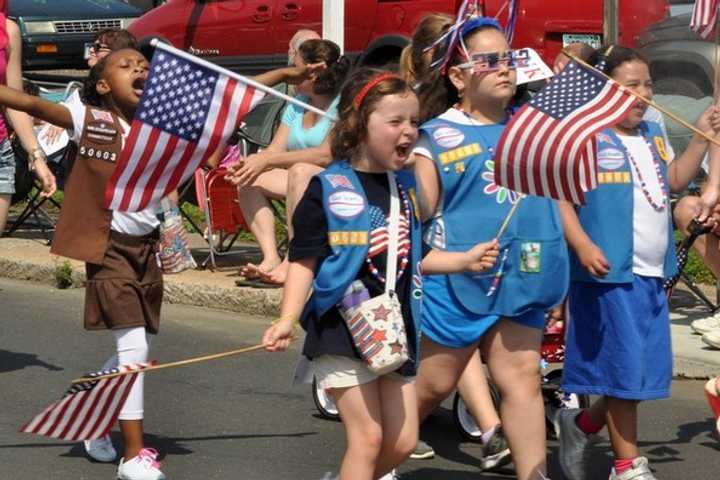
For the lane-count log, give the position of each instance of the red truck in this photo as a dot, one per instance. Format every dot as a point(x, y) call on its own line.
point(250, 36)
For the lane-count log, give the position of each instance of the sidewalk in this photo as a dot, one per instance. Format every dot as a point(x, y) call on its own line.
point(29, 259)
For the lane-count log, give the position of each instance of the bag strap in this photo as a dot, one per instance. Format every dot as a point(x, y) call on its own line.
point(393, 235)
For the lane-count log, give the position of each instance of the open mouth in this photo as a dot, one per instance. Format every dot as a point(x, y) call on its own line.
point(403, 150)
point(138, 85)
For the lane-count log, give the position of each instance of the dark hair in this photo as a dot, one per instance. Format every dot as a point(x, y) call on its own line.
point(436, 92)
point(329, 81)
point(618, 56)
point(89, 94)
point(430, 28)
point(117, 39)
point(351, 128)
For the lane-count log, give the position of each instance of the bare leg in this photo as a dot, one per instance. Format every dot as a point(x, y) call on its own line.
point(361, 414)
point(512, 351)
point(474, 389)
point(399, 422)
point(438, 373)
point(705, 245)
point(622, 426)
point(132, 431)
point(4, 210)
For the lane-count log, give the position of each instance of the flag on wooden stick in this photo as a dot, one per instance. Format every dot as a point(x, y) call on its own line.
point(704, 17)
point(88, 410)
point(187, 110)
point(548, 148)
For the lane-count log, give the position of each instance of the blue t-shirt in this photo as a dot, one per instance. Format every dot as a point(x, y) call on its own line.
point(301, 137)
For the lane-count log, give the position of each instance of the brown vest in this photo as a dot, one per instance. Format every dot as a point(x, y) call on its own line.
point(83, 229)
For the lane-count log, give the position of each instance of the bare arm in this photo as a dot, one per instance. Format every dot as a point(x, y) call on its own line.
point(590, 255)
point(479, 258)
point(684, 168)
point(320, 156)
point(292, 75)
point(428, 185)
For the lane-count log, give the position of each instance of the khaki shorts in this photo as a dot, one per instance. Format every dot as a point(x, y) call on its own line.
point(336, 371)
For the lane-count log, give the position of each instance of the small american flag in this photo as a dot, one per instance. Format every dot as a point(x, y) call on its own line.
point(87, 410)
point(379, 233)
point(704, 17)
point(186, 111)
point(548, 148)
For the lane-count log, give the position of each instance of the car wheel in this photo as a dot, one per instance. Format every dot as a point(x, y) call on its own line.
point(324, 404)
point(678, 86)
point(464, 421)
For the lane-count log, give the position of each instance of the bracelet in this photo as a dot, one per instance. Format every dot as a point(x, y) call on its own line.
point(36, 153)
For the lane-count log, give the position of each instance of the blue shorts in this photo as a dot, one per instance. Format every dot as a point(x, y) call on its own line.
point(7, 168)
point(618, 340)
point(447, 322)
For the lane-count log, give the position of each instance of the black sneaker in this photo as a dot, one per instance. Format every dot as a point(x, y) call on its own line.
point(496, 452)
point(422, 451)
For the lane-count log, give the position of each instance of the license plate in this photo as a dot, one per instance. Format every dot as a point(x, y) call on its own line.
point(591, 39)
point(88, 49)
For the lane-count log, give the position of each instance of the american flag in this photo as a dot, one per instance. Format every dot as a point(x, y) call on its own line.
point(548, 148)
point(186, 111)
point(379, 233)
point(704, 17)
point(87, 410)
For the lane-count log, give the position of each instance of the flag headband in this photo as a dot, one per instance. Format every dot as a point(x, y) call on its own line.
point(372, 83)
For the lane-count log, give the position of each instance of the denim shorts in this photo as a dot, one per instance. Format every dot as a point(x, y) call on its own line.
point(7, 168)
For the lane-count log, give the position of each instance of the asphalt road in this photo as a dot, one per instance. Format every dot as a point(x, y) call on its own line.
point(240, 417)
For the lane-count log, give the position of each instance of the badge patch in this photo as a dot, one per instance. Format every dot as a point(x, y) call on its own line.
point(346, 204)
point(448, 137)
point(604, 138)
point(660, 144)
point(101, 115)
point(530, 257)
point(611, 158)
point(100, 132)
point(340, 181)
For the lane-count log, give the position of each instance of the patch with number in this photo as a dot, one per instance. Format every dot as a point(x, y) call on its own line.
point(346, 204)
point(448, 137)
point(662, 151)
point(347, 238)
point(459, 153)
point(614, 177)
point(100, 132)
point(530, 257)
point(611, 158)
point(97, 153)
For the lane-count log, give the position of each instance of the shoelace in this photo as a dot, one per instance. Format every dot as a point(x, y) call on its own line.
point(149, 456)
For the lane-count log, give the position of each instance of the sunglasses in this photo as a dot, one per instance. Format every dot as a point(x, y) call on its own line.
point(98, 46)
point(490, 62)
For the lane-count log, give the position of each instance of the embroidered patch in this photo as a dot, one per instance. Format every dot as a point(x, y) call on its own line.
point(459, 167)
point(346, 204)
point(611, 158)
point(448, 137)
point(604, 138)
point(348, 238)
point(530, 257)
point(660, 144)
point(97, 153)
point(614, 177)
point(101, 115)
point(459, 153)
point(337, 181)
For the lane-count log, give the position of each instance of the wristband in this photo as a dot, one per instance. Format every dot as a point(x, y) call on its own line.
point(36, 153)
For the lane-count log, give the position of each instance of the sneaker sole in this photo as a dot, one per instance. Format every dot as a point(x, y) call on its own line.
point(710, 343)
point(496, 461)
point(422, 456)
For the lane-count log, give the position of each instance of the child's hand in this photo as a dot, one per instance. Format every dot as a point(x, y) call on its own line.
point(708, 201)
point(46, 178)
point(593, 258)
point(296, 75)
point(482, 256)
point(277, 338)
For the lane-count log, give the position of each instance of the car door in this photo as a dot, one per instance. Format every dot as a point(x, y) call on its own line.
point(291, 16)
point(235, 31)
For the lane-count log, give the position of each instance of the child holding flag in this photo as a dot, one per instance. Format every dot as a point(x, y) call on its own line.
point(341, 239)
point(503, 310)
point(618, 341)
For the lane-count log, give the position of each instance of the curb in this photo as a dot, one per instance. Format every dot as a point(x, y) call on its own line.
point(241, 300)
point(693, 369)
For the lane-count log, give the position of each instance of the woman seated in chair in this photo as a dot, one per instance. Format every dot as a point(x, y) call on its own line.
point(298, 150)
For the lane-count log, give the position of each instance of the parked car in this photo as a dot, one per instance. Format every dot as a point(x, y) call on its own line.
point(145, 5)
point(681, 62)
point(252, 35)
point(57, 34)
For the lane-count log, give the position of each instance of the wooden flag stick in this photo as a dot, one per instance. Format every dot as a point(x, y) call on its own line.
point(179, 363)
point(679, 120)
point(508, 217)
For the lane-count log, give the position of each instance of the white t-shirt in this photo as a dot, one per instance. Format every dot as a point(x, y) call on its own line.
point(650, 227)
point(131, 223)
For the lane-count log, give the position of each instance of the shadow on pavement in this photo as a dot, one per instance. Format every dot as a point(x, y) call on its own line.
point(11, 361)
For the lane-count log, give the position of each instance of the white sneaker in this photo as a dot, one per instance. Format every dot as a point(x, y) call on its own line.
point(704, 325)
point(712, 338)
point(142, 467)
point(101, 449)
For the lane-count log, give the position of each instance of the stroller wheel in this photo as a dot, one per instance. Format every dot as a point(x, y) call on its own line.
point(464, 420)
point(555, 399)
point(324, 404)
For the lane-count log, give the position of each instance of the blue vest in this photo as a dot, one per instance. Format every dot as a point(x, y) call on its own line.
point(348, 219)
point(535, 270)
point(607, 216)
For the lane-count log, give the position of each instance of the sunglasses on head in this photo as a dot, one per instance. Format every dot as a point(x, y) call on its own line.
point(490, 62)
point(98, 46)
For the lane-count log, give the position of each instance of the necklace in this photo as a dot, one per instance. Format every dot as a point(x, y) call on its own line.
point(658, 207)
point(405, 252)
